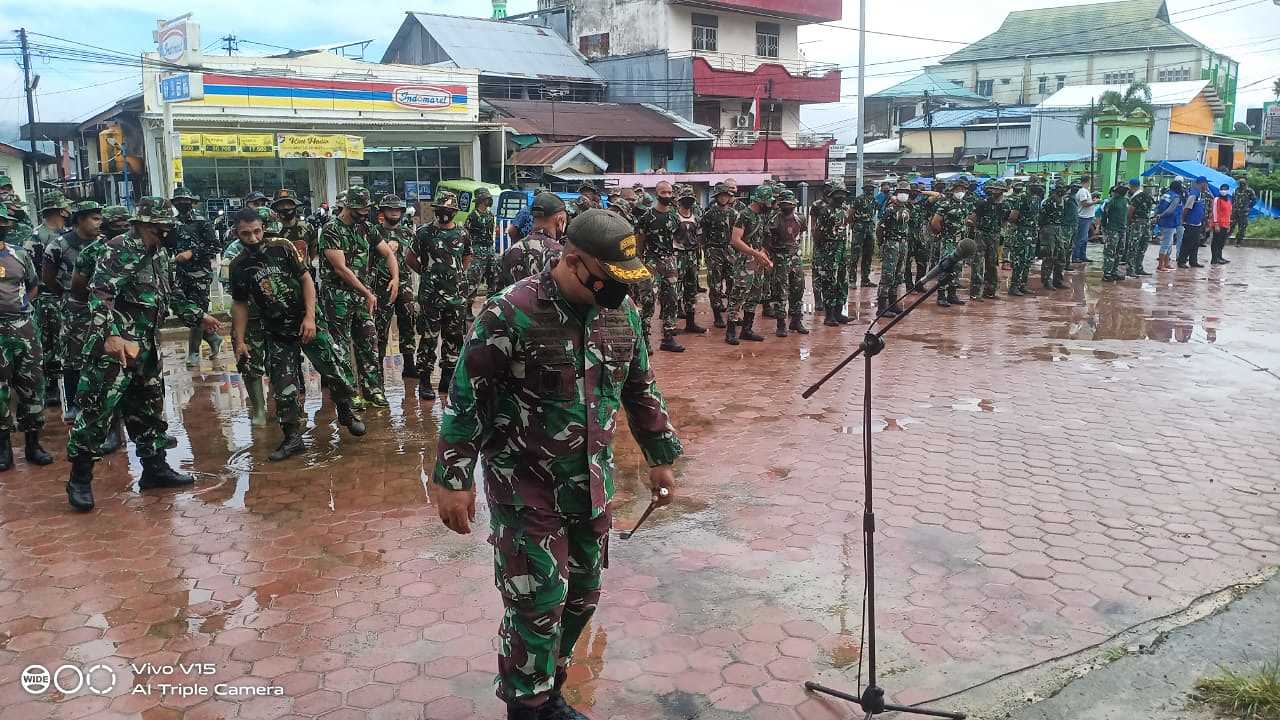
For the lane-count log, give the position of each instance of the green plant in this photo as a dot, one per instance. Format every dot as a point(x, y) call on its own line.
point(1114, 653)
point(1264, 182)
point(1135, 97)
point(1268, 228)
point(1250, 695)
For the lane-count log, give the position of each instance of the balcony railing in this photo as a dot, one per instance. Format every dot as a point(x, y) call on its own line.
point(732, 138)
point(751, 63)
point(806, 10)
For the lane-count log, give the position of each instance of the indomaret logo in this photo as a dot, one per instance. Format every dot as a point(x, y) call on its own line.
point(423, 97)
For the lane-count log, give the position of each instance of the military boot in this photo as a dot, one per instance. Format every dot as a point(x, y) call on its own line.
point(692, 327)
point(6, 451)
point(840, 316)
point(194, 336)
point(410, 369)
point(669, 343)
point(424, 389)
point(114, 439)
point(954, 298)
point(942, 299)
point(556, 708)
point(797, 325)
point(446, 380)
point(291, 444)
point(52, 396)
point(747, 331)
point(377, 399)
point(156, 473)
point(347, 416)
point(782, 325)
point(731, 333)
point(520, 712)
point(36, 455)
point(69, 408)
point(215, 350)
point(718, 317)
point(257, 401)
point(831, 318)
point(80, 484)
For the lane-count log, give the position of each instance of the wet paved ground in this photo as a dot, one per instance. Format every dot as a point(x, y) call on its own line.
point(1051, 470)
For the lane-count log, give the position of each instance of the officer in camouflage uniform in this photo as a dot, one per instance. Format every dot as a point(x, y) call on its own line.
point(894, 234)
point(948, 224)
point(21, 353)
point(129, 299)
point(1050, 221)
point(1140, 205)
point(60, 257)
point(1242, 201)
point(987, 221)
point(441, 253)
point(197, 246)
point(252, 365)
point(222, 227)
point(656, 228)
point(717, 227)
point(588, 198)
point(55, 212)
point(293, 227)
point(482, 226)
point(1068, 228)
point(862, 217)
point(828, 222)
point(688, 246)
point(22, 235)
point(1021, 245)
point(1115, 222)
point(643, 201)
point(534, 403)
point(269, 273)
point(787, 280)
point(751, 268)
point(399, 235)
point(537, 249)
point(346, 245)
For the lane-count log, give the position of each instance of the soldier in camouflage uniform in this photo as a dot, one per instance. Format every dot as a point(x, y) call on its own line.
point(1115, 224)
point(1050, 220)
point(346, 245)
point(987, 221)
point(539, 248)
point(751, 268)
point(482, 226)
point(222, 227)
point(717, 227)
point(656, 228)
point(1140, 205)
point(23, 234)
point(862, 228)
point(399, 235)
point(293, 227)
point(787, 279)
point(441, 253)
point(922, 246)
point(252, 365)
point(1068, 227)
point(1021, 246)
point(688, 246)
point(55, 212)
point(588, 198)
point(829, 229)
point(129, 299)
point(894, 234)
point(269, 273)
point(643, 200)
point(948, 224)
point(1242, 202)
point(197, 246)
point(60, 257)
point(21, 353)
point(534, 403)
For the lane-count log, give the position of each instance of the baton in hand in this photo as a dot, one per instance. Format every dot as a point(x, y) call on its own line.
point(652, 504)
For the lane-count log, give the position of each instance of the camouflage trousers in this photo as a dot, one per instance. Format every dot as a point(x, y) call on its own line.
point(949, 282)
point(688, 262)
point(194, 286)
point(920, 255)
point(284, 359)
point(483, 270)
point(445, 325)
point(350, 324)
point(48, 318)
point(862, 241)
point(985, 267)
point(21, 374)
point(1022, 249)
point(750, 287)
point(77, 325)
point(1139, 238)
point(664, 292)
point(720, 275)
point(830, 276)
point(786, 283)
point(892, 272)
point(1112, 251)
point(135, 393)
point(547, 568)
point(254, 365)
point(1051, 259)
point(405, 311)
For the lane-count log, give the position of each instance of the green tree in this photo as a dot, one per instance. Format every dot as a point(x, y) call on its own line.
point(1276, 89)
point(1135, 97)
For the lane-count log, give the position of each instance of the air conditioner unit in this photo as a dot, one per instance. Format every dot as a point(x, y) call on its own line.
point(744, 137)
point(742, 121)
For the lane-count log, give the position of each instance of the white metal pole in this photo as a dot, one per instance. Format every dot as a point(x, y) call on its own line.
point(862, 77)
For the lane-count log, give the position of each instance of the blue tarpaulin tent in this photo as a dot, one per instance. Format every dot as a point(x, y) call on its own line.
point(1191, 170)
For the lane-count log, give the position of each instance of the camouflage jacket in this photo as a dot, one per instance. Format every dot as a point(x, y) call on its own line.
point(62, 255)
point(1026, 210)
point(829, 222)
point(921, 210)
point(1069, 207)
point(1142, 202)
point(86, 261)
point(784, 233)
point(535, 396)
point(482, 227)
point(379, 270)
point(269, 278)
point(895, 223)
point(130, 294)
point(304, 237)
point(989, 216)
point(1242, 202)
point(17, 279)
point(752, 225)
point(1050, 213)
point(41, 238)
point(659, 230)
point(530, 256)
point(717, 225)
point(196, 234)
point(357, 243)
point(953, 214)
point(862, 210)
point(689, 233)
point(441, 251)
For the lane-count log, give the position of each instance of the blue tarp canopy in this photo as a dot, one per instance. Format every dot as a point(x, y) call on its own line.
point(1191, 170)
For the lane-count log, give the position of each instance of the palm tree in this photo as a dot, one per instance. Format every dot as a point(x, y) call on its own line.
point(1276, 89)
point(1136, 97)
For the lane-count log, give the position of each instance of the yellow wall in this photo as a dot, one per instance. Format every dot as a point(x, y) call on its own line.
point(1195, 117)
point(915, 142)
point(1211, 156)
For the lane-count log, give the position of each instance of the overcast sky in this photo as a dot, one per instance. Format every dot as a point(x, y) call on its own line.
point(1248, 30)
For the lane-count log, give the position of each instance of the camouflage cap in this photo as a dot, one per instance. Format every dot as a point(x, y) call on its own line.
point(835, 186)
point(994, 185)
point(54, 201)
point(903, 186)
point(254, 196)
point(183, 193)
point(588, 186)
point(762, 194)
point(271, 226)
point(608, 238)
point(482, 193)
point(721, 189)
point(391, 200)
point(284, 195)
point(6, 181)
point(787, 197)
point(686, 191)
point(86, 206)
point(115, 213)
point(445, 200)
point(154, 210)
point(341, 200)
point(356, 198)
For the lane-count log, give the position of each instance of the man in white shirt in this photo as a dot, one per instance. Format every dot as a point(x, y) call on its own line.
point(1084, 219)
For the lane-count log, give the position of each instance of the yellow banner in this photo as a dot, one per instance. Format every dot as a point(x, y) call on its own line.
point(257, 145)
point(218, 145)
point(177, 171)
point(320, 146)
point(192, 144)
point(355, 147)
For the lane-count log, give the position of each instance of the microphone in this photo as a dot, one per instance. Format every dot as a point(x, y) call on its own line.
point(966, 248)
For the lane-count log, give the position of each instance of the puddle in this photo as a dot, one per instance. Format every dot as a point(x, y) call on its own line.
point(975, 405)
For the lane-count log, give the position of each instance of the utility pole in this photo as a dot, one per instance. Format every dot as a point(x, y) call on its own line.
point(862, 77)
point(928, 122)
point(767, 111)
point(997, 142)
point(1092, 150)
point(230, 43)
point(31, 116)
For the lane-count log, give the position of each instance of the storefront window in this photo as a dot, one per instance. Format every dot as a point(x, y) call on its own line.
point(213, 178)
point(386, 170)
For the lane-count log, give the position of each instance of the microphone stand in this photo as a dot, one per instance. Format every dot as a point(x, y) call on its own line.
point(872, 698)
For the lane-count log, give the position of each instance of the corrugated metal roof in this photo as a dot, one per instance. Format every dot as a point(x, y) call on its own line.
point(935, 85)
point(1076, 29)
point(508, 49)
point(1162, 95)
point(541, 155)
point(602, 121)
point(1057, 158)
point(962, 117)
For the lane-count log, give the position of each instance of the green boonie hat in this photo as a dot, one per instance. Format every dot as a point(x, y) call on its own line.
point(54, 201)
point(5, 180)
point(183, 193)
point(762, 194)
point(721, 189)
point(356, 198)
point(114, 213)
point(155, 210)
point(834, 186)
point(546, 204)
point(588, 186)
point(86, 206)
point(608, 238)
point(482, 193)
point(391, 200)
point(686, 191)
point(787, 197)
point(445, 200)
point(254, 196)
point(993, 185)
point(4, 213)
point(284, 195)
point(903, 185)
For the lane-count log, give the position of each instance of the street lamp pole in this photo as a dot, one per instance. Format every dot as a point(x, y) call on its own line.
point(862, 77)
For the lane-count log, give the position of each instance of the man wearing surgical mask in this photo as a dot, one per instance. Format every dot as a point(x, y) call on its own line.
point(548, 364)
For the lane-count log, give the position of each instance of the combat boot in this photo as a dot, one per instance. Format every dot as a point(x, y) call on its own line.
point(156, 473)
point(446, 380)
point(556, 708)
point(797, 325)
point(942, 300)
point(840, 316)
point(80, 484)
point(731, 333)
point(377, 399)
point(782, 326)
point(831, 318)
point(291, 444)
point(257, 401)
point(347, 416)
point(954, 298)
point(215, 348)
point(36, 455)
point(521, 712)
point(194, 336)
point(6, 451)
point(424, 389)
point(747, 331)
point(114, 439)
point(718, 317)
point(692, 327)
point(669, 343)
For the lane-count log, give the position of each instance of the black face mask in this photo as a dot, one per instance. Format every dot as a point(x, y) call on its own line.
point(444, 216)
point(608, 293)
point(287, 214)
point(664, 200)
point(361, 217)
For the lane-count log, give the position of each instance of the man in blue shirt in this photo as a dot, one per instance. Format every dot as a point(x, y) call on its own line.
point(1194, 212)
point(1169, 219)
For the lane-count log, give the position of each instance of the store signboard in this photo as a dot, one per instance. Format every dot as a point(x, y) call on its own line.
point(350, 147)
point(301, 93)
point(1271, 122)
point(178, 41)
point(226, 145)
point(417, 190)
point(182, 87)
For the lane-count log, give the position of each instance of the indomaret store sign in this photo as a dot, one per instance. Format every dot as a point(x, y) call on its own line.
point(301, 93)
